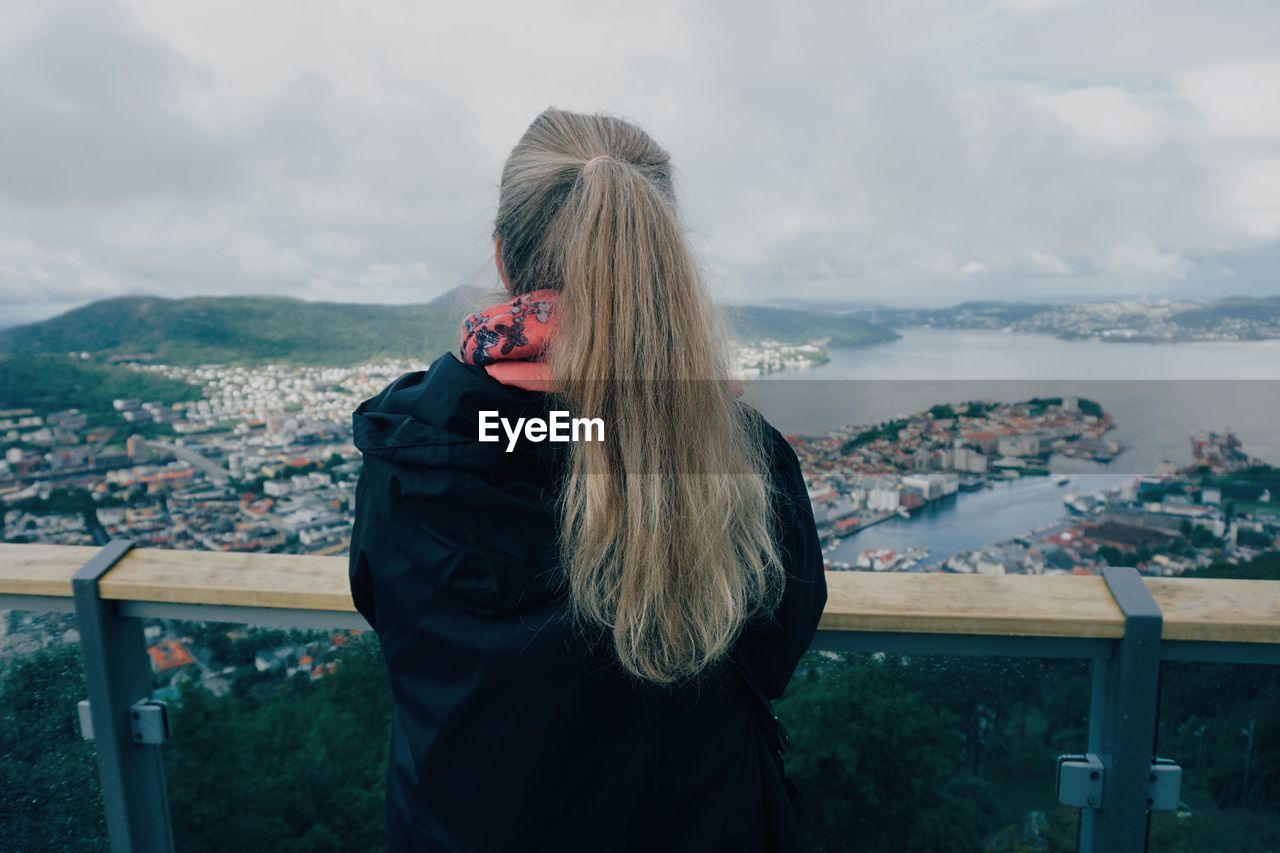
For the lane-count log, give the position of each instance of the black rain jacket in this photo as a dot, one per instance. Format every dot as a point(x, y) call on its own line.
point(512, 731)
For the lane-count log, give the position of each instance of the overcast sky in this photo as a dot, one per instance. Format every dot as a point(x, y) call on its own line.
point(905, 152)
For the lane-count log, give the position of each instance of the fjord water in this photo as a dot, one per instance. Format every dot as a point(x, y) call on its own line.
point(1158, 395)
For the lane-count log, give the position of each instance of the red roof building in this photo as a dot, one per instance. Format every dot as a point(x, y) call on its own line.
point(169, 655)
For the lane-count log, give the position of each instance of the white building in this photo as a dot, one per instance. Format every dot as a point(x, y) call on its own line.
point(1024, 444)
point(277, 488)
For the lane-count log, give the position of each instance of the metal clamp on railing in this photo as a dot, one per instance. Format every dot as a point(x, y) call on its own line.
point(1166, 786)
point(1081, 779)
point(148, 721)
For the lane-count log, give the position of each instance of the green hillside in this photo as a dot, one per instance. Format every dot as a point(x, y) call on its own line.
point(49, 383)
point(202, 330)
point(255, 329)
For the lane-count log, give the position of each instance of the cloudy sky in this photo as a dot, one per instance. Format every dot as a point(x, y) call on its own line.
point(908, 152)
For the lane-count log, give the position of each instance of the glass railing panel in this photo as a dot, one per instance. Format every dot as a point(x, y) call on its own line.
point(279, 736)
point(928, 753)
point(1221, 724)
point(50, 797)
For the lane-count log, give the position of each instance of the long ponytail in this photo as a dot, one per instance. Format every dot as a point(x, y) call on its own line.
point(665, 534)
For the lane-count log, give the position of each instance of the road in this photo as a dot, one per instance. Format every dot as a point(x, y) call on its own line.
point(215, 472)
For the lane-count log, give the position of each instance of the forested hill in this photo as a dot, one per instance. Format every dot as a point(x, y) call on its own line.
point(255, 329)
point(48, 383)
point(248, 329)
point(757, 322)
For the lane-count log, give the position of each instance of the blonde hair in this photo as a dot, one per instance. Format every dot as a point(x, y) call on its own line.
point(666, 529)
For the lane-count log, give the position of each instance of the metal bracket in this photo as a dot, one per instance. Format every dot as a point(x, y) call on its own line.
point(1166, 786)
point(1080, 780)
point(149, 721)
point(1081, 777)
point(86, 719)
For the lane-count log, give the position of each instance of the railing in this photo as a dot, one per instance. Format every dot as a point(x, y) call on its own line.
point(1126, 624)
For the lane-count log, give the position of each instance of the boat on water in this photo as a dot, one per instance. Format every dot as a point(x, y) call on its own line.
point(1061, 480)
point(1084, 504)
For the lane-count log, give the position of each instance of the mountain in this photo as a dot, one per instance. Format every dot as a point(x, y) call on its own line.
point(988, 314)
point(1235, 319)
point(249, 329)
point(203, 330)
point(759, 322)
point(1235, 309)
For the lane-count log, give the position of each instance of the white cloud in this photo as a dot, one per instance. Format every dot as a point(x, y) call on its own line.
point(1105, 114)
point(1240, 99)
point(1030, 7)
point(1255, 198)
point(1044, 263)
point(257, 257)
point(1145, 262)
point(895, 151)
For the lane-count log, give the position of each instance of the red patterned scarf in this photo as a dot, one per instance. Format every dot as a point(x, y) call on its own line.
point(510, 339)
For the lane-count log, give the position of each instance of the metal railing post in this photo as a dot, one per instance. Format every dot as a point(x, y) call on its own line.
point(1122, 721)
point(117, 675)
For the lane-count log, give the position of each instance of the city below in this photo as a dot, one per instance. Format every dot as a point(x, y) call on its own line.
point(244, 457)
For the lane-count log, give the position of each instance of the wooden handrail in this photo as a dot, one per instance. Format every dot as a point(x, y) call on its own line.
point(1199, 609)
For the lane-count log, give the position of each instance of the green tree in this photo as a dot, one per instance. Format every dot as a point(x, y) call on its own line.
point(297, 768)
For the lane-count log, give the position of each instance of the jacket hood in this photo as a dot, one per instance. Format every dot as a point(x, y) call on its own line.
point(476, 520)
point(431, 416)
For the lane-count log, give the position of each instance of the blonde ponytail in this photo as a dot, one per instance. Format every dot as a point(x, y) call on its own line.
point(665, 536)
